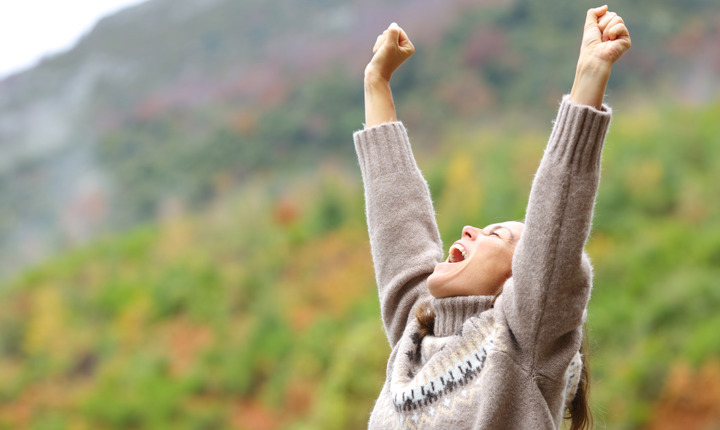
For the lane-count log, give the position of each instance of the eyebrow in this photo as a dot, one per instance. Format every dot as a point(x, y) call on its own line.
point(498, 227)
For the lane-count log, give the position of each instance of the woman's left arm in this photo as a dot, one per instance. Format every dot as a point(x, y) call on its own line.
point(551, 284)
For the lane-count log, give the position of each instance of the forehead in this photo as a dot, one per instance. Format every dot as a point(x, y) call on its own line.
point(512, 225)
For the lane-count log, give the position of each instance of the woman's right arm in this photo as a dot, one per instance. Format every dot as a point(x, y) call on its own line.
point(391, 49)
point(404, 238)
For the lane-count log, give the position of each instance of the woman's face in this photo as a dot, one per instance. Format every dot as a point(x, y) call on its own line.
point(479, 263)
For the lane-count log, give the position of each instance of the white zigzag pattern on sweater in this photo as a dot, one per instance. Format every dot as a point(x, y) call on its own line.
point(441, 375)
point(438, 412)
point(453, 370)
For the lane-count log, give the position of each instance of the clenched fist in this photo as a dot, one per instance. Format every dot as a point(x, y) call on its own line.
point(605, 38)
point(391, 49)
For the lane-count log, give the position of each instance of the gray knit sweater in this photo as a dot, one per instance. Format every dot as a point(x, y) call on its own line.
point(508, 366)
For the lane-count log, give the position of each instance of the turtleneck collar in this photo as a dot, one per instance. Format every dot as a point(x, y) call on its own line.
point(452, 312)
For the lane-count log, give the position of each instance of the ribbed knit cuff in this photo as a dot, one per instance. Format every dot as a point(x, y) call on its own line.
point(452, 312)
point(384, 149)
point(578, 134)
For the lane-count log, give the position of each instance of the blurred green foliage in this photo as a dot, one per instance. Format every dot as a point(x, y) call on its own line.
point(256, 307)
point(268, 318)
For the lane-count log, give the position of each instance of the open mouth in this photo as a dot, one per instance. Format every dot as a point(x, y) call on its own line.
point(457, 253)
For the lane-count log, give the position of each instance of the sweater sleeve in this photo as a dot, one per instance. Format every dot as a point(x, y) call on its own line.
point(404, 237)
point(551, 276)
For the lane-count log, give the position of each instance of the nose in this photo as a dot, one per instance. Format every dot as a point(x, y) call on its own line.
point(471, 232)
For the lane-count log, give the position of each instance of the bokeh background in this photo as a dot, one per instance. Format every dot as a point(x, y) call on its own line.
point(182, 233)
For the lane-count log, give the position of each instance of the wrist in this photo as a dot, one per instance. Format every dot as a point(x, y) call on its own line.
point(376, 75)
point(589, 69)
point(374, 80)
point(591, 79)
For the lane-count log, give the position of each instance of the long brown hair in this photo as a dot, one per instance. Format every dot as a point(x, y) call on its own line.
point(578, 411)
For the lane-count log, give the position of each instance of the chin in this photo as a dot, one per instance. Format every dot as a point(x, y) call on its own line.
point(436, 286)
point(445, 280)
point(432, 287)
point(440, 288)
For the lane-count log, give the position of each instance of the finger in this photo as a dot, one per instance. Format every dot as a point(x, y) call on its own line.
point(408, 47)
point(404, 40)
point(378, 43)
point(402, 35)
point(393, 34)
point(605, 20)
point(613, 22)
point(594, 14)
point(618, 31)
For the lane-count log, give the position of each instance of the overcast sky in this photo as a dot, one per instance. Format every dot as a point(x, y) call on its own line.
point(31, 29)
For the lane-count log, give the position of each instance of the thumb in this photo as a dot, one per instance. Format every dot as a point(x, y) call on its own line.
point(393, 34)
point(593, 16)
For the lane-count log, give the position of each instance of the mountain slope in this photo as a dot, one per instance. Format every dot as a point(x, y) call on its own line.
point(262, 312)
point(169, 104)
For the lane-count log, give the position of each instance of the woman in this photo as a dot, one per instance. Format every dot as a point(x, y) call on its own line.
point(489, 338)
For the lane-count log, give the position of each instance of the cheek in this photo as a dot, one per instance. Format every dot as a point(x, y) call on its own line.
point(510, 261)
point(503, 262)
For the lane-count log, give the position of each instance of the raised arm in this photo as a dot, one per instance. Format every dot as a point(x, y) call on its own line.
point(403, 234)
point(551, 279)
point(391, 49)
point(605, 40)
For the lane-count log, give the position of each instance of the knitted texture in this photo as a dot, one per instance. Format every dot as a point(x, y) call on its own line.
point(511, 365)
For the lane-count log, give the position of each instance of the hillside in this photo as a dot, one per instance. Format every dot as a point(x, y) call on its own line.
point(170, 103)
point(153, 88)
point(183, 186)
point(268, 319)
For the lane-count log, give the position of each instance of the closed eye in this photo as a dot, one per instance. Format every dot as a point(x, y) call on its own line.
point(507, 233)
